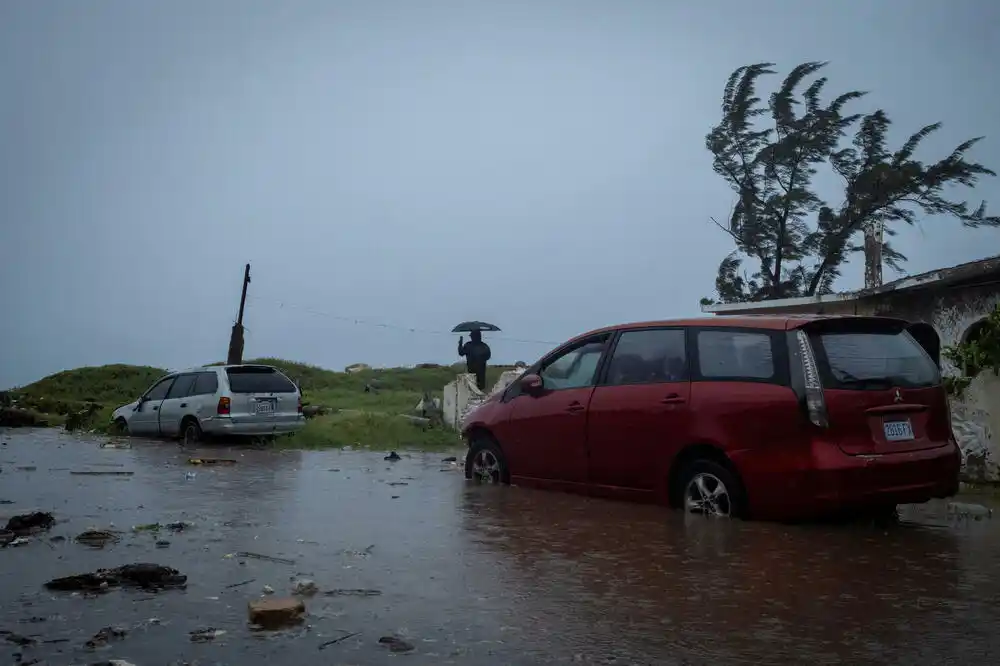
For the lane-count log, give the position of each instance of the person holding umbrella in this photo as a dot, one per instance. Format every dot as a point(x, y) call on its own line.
point(476, 352)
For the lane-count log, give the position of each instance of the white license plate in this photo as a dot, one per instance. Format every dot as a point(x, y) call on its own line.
point(898, 431)
point(264, 407)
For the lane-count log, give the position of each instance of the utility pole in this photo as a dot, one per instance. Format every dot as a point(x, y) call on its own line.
point(235, 356)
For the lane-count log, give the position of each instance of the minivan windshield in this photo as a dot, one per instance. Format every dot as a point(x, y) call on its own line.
point(251, 379)
point(874, 360)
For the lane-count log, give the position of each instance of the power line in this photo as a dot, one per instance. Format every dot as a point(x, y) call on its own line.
point(360, 321)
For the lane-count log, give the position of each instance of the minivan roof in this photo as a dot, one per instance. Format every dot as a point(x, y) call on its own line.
point(782, 322)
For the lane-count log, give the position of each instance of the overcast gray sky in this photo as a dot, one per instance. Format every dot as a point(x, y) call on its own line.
point(353, 151)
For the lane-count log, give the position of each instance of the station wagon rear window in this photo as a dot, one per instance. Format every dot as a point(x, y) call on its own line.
point(258, 380)
point(874, 360)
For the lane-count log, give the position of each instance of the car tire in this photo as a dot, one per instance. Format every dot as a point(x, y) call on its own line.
point(710, 489)
point(191, 433)
point(120, 426)
point(486, 463)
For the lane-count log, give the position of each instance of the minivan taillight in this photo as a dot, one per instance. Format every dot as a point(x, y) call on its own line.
point(300, 404)
point(815, 402)
point(223, 407)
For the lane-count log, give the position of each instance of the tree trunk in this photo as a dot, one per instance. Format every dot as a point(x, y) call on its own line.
point(873, 255)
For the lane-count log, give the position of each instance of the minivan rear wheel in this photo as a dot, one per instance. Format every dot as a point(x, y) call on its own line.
point(485, 462)
point(709, 489)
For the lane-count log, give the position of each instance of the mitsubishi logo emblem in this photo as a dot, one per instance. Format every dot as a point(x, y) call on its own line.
point(898, 397)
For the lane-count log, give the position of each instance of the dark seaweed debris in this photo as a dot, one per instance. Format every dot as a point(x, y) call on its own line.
point(143, 575)
point(29, 523)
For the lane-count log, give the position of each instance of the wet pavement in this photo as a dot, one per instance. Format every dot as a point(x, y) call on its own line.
point(466, 574)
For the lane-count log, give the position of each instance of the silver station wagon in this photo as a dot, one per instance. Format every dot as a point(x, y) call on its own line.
point(224, 400)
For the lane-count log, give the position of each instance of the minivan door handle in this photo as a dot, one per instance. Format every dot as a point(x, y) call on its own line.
point(575, 408)
point(672, 399)
point(183, 405)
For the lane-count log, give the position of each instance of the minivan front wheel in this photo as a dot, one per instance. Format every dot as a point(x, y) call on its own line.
point(711, 490)
point(486, 463)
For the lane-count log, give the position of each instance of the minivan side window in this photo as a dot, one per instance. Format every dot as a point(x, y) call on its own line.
point(182, 387)
point(649, 356)
point(575, 368)
point(729, 354)
point(206, 384)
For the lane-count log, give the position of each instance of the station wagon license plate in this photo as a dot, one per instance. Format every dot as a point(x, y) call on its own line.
point(898, 431)
point(264, 407)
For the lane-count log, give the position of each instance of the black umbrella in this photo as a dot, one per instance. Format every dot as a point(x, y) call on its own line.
point(470, 326)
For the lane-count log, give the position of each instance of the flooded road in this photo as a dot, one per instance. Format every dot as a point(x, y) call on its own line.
point(467, 574)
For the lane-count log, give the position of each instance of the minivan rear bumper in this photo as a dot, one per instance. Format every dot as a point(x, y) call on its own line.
point(829, 481)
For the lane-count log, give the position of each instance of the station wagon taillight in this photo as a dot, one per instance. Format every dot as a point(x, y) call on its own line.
point(223, 407)
point(300, 404)
point(815, 402)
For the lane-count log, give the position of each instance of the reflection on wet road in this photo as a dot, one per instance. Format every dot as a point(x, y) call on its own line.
point(468, 574)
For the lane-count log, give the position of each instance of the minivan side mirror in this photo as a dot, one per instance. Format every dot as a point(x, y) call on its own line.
point(532, 384)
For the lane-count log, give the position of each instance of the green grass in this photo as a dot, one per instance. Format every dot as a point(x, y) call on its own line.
point(367, 430)
point(364, 419)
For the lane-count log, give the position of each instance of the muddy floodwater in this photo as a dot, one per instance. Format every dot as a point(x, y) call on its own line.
point(466, 574)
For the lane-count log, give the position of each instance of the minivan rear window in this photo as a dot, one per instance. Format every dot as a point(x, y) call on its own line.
point(874, 360)
point(258, 380)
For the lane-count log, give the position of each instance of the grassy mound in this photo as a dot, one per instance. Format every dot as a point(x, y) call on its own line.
point(85, 398)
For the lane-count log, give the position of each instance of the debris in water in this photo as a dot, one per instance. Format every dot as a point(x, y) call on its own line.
point(267, 589)
point(94, 472)
point(6, 537)
point(268, 558)
point(396, 644)
point(393, 456)
point(206, 635)
point(240, 584)
point(18, 639)
point(148, 527)
point(974, 511)
point(212, 461)
point(276, 613)
point(338, 640)
point(105, 636)
point(97, 538)
point(305, 587)
point(450, 459)
point(29, 523)
point(343, 592)
point(27, 468)
point(20, 541)
point(162, 543)
point(144, 575)
point(398, 483)
point(179, 526)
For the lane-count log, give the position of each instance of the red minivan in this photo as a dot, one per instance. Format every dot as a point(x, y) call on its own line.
point(774, 417)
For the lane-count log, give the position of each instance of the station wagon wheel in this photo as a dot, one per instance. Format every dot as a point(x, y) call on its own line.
point(190, 433)
point(711, 490)
point(485, 462)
